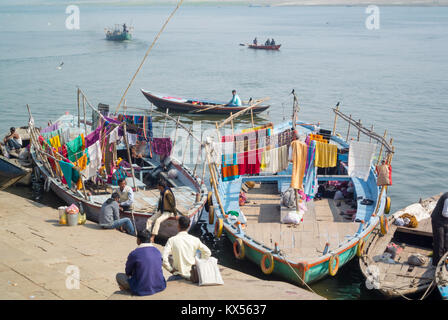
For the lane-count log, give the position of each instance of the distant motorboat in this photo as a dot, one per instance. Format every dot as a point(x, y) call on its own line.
point(118, 34)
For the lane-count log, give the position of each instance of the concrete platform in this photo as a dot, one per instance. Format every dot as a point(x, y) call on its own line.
point(40, 258)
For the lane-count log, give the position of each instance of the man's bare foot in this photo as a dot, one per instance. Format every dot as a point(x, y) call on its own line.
point(152, 239)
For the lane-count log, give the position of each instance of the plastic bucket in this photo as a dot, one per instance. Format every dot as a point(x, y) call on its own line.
point(61, 211)
point(72, 219)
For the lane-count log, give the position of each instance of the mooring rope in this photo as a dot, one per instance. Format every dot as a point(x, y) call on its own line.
point(147, 53)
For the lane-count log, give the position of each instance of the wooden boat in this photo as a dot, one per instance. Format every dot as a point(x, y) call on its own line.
point(12, 168)
point(117, 34)
point(189, 191)
point(321, 244)
point(442, 277)
point(397, 277)
point(262, 47)
point(175, 104)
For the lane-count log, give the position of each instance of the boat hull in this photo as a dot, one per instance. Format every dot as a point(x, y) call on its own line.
point(181, 106)
point(121, 37)
point(275, 47)
point(11, 173)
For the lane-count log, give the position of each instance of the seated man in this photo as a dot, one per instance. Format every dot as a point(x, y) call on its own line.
point(13, 140)
point(110, 215)
point(236, 101)
point(272, 42)
point(183, 247)
point(126, 195)
point(255, 41)
point(268, 42)
point(166, 209)
point(144, 275)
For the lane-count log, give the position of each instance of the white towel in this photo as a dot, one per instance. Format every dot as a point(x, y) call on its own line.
point(132, 138)
point(95, 156)
point(360, 158)
point(113, 136)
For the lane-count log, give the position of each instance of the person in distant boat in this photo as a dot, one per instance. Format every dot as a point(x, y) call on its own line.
point(13, 140)
point(255, 41)
point(124, 28)
point(235, 101)
point(166, 209)
point(183, 248)
point(126, 195)
point(110, 215)
point(143, 274)
point(272, 42)
point(268, 42)
point(439, 221)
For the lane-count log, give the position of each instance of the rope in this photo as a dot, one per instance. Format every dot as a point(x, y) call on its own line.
point(147, 53)
point(303, 281)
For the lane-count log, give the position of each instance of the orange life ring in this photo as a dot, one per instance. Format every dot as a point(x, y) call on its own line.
point(333, 270)
point(360, 249)
point(218, 228)
point(238, 249)
point(387, 207)
point(266, 270)
point(384, 225)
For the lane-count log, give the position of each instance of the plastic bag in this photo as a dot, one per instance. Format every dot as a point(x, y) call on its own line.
point(208, 272)
point(73, 209)
point(292, 217)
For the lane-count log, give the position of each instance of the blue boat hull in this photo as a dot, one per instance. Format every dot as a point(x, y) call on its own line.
point(10, 171)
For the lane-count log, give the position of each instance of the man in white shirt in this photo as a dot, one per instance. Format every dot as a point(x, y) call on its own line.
point(439, 221)
point(183, 248)
point(126, 195)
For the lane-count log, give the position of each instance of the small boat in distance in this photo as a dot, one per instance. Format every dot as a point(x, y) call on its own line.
point(176, 104)
point(263, 47)
point(119, 35)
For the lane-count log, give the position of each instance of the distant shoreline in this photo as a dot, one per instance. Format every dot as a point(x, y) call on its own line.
point(254, 4)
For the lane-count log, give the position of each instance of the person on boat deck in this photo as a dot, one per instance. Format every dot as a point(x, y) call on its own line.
point(255, 41)
point(272, 42)
point(268, 42)
point(166, 209)
point(110, 215)
point(235, 101)
point(143, 273)
point(13, 140)
point(183, 248)
point(439, 221)
point(124, 28)
point(126, 195)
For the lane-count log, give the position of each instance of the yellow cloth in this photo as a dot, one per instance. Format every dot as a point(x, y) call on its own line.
point(81, 165)
point(326, 155)
point(299, 155)
point(183, 247)
point(266, 126)
point(55, 142)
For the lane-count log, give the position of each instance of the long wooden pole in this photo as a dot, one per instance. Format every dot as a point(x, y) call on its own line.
point(166, 119)
point(78, 107)
point(235, 115)
point(252, 117)
point(381, 149)
point(129, 156)
point(335, 119)
point(348, 130)
point(84, 112)
point(186, 145)
point(359, 130)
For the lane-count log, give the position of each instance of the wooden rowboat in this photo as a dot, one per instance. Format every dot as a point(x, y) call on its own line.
point(397, 277)
point(274, 47)
point(176, 104)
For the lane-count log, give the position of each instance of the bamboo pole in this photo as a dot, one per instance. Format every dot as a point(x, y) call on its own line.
point(231, 122)
point(348, 129)
point(186, 145)
point(252, 118)
point(217, 131)
point(78, 108)
point(175, 134)
point(238, 114)
point(84, 112)
point(214, 183)
point(359, 130)
point(197, 159)
point(370, 137)
point(335, 119)
point(381, 149)
point(166, 119)
point(129, 155)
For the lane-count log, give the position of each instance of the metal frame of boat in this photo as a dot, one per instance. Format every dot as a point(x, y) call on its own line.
point(185, 177)
point(175, 104)
point(300, 270)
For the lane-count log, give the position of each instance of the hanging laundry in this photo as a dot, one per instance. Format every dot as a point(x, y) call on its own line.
point(67, 170)
point(360, 157)
point(50, 128)
point(326, 155)
point(55, 142)
point(114, 135)
point(229, 167)
point(269, 161)
point(75, 147)
point(299, 157)
point(282, 155)
point(249, 162)
point(162, 146)
point(310, 183)
point(132, 138)
point(93, 136)
point(384, 172)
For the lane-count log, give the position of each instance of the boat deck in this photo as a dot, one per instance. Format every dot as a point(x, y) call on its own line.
point(322, 223)
point(146, 200)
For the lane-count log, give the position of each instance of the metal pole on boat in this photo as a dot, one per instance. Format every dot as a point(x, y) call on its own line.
point(335, 119)
point(129, 156)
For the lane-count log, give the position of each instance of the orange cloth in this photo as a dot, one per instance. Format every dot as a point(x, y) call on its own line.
point(299, 155)
point(81, 164)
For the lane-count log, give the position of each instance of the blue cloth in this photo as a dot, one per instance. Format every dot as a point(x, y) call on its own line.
point(144, 265)
point(67, 171)
point(235, 102)
point(126, 222)
point(13, 144)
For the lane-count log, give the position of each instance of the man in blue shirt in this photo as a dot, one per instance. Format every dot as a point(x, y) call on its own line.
point(144, 275)
point(236, 101)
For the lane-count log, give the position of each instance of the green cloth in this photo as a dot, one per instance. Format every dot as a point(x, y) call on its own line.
point(67, 171)
point(74, 149)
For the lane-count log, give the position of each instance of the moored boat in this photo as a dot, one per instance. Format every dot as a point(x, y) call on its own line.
point(258, 222)
point(397, 260)
point(442, 277)
point(187, 187)
point(117, 34)
point(197, 106)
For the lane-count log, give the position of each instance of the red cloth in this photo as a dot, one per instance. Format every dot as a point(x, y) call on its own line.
point(249, 162)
